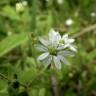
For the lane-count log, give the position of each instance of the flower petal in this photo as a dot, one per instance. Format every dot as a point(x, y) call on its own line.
point(44, 42)
point(71, 40)
point(66, 53)
point(61, 47)
point(63, 59)
point(54, 36)
point(58, 37)
point(47, 61)
point(65, 37)
point(67, 40)
point(57, 62)
point(43, 56)
point(41, 48)
point(73, 48)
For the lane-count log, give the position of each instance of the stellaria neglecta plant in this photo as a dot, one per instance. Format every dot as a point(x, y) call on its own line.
point(56, 48)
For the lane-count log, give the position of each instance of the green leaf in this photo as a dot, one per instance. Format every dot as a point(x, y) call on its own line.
point(27, 75)
point(3, 94)
point(11, 13)
point(42, 92)
point(11, 42)
point(70, 93)
point(2, 85)
point(3, 2)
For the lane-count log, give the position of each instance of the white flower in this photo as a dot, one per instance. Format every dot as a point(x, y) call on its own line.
point(24, 3)
point(93, 14)
point(54, 37)
point(69, 22)
point(19, 7)
point(51, 54)
point(54, 57)
point(68, 42)
point(9, 33)
point(60, 1)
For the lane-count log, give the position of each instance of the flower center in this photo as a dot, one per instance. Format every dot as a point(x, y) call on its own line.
point(61, 41)
point(52, 51)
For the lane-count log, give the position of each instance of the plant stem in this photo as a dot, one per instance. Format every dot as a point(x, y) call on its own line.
point(85, 30)
point(55, 86)
point(10, 80)
point(3, 76)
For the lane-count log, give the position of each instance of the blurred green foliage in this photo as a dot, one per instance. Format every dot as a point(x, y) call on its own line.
point(19, 31)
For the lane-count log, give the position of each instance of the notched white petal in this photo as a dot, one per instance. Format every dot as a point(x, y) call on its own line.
point(63, 59)
point(61, 47)
point(65, 36)
point(71, 40)
point(66, 53)
point(54, 36)
point(73, 48)
point(41, 48)
point(57, 62)
point(44, 41)
point(43, 56)
point(47, 60)
point(58, 37)
point(67, 40)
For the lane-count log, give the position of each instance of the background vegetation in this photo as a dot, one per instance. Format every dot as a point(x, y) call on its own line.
point(19, 31)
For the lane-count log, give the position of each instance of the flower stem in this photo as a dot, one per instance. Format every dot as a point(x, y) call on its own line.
point(55, 84)
point(55, 87)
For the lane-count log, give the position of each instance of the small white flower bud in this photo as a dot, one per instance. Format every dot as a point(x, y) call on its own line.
point(19, 7)
point(24, 3)
point(9, 33)
point(59, 1)
point(93, 14)
point(69, 22)
point(70, 75)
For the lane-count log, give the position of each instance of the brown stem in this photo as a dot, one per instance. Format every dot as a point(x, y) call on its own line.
point(55, 86)
point(85, 30)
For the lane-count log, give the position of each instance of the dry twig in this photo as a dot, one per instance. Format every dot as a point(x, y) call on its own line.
point(85, 30)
